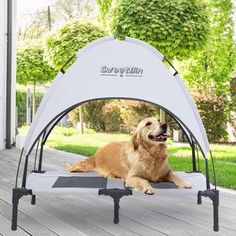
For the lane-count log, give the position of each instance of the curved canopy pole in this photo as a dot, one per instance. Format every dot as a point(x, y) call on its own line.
point(46, 131)
point(53, 124)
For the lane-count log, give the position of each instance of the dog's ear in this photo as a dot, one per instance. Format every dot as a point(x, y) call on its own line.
point(135, 141)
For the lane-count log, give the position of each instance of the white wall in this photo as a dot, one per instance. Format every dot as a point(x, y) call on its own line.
point(3, 58)
point(13, 99)
point(3, 43)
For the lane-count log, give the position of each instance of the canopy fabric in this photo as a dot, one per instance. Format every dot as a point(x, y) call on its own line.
point(111, 68)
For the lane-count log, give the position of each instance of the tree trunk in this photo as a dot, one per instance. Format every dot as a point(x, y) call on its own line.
point(81, 119)
point(162, 116)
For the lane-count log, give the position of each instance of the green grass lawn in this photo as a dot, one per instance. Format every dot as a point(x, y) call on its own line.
point(68, 139)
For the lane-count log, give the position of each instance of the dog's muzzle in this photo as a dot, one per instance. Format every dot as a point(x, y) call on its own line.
point(162, 137)
point(158, 138)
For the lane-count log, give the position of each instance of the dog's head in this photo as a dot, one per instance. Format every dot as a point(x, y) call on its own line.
point(150, 132)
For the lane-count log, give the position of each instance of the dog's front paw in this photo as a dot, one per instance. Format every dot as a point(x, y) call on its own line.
point(149, 190)
point(184, 184)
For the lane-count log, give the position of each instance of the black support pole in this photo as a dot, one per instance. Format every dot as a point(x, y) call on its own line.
point(207, 174)
point(40, 158)
point(9, 74)
point(25, 172)
point(194, 158)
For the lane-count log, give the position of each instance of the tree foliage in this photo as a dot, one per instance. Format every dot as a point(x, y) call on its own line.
point(104, 7)
point(31, 66)
point(174, 27)
point(214, 110)
point(213, 66)
point(67, 40)
point(210, 71)
point(114, 115)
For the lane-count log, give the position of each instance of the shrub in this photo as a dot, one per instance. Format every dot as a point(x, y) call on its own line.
point(132, 112)
point(214, 111)
point(21, 107)
point(93, 115)
point(21, 98)
point(68, 131)
point(112, 117)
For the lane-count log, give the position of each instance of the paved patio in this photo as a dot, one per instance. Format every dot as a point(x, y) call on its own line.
point(166, 213)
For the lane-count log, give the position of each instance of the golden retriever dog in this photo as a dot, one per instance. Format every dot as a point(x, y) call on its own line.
point(138, 162)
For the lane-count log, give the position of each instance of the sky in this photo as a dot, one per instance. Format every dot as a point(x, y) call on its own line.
point(27, 7)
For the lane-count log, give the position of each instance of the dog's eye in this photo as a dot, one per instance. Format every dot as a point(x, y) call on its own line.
point(148, 123)
point(158, 120)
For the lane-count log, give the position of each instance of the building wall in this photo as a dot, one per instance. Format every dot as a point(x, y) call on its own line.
point(3, 44)
point(13, 99)
point(3, 58)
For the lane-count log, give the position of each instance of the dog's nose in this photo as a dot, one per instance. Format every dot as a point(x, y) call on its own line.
point(164, 126)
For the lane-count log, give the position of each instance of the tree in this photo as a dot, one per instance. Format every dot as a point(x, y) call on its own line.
point(214, 65)
point(176, 28)
point(73, 9)
point(104, 7)
point(67, 40)
point(210, 70)
point(32, 69)
point(40, 24)
point(61, 12)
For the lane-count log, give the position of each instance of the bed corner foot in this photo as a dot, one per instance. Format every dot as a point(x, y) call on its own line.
point(213, 194)
point(17, 194)
point(33, 199)
point(116, 194)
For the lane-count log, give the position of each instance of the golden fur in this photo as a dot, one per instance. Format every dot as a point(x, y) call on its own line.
point(138, 162)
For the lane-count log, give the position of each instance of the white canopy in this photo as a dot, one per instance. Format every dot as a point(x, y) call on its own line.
point(111, 68)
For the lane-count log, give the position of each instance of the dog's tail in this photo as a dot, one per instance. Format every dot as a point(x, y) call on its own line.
point(86, 165)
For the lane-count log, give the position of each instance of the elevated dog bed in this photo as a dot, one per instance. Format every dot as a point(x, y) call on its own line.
point(55, 182)
point(62, 182)
point(111, 68)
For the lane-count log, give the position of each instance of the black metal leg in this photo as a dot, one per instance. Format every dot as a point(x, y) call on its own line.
point(116, 194)
point(15, 202)
point(214, 196)
point(216, 212)
point(17, 193)
point(199, 198)
point(14, 217)
point(116, 211)
point(33, 199)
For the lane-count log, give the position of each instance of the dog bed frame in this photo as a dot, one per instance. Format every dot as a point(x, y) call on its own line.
point(112, 68)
